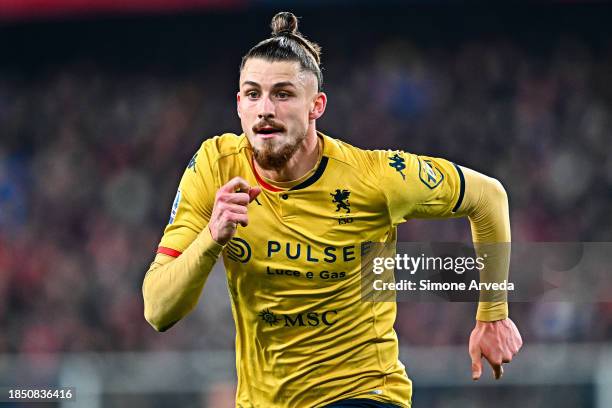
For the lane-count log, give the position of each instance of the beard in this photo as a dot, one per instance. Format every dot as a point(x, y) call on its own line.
point(271, 156)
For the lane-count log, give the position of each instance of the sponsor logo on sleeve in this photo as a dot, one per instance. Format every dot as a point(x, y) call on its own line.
point(429, 174)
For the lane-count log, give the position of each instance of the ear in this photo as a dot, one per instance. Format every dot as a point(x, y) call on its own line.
point(318, 106)
point(238, 104)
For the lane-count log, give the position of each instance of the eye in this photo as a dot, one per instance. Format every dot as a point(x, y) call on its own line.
point(282, 95)
point(252, 94)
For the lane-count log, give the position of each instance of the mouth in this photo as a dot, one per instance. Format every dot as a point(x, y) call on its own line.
point(268, 132)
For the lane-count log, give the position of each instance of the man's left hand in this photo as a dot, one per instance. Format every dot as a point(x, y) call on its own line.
point(496, 341)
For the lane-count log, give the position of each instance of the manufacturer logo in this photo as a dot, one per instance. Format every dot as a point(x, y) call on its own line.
point(340, 198)
point(238, 250)
point(398, 163)
point(429, 174)
point(192, 163)
point(175, 205)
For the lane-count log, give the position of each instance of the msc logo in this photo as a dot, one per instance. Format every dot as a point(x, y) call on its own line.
point(238, 250)
point(307, 319)
point(429, 174)
point(340, 198)
point(269, 317)
point(398, 163)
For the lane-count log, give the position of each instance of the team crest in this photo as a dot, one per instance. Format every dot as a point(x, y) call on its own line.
point(340, 198)
point(429, 174)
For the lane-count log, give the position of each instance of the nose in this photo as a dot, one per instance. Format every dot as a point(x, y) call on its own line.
point(266, 108)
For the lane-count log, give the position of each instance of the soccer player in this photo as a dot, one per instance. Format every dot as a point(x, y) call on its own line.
point(288, 207)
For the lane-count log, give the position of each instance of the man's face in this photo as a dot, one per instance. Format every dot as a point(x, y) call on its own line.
point(276, 103)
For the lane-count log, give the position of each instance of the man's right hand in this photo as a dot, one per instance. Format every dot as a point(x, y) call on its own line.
point(230, 209)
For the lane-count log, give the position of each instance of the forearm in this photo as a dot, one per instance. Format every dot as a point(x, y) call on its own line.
point(486, 205)
point(172, 286)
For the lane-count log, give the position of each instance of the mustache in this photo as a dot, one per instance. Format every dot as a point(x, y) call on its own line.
point(268, 123)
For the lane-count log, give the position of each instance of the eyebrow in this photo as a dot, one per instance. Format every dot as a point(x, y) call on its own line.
point(276, 85)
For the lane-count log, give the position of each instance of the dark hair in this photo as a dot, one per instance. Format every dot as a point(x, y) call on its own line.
point(287, 44)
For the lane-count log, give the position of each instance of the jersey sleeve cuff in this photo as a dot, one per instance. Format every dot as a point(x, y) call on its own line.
point(492, 311)
point(209, 245)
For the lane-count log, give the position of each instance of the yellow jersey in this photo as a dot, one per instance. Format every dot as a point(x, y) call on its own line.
point(304, 337)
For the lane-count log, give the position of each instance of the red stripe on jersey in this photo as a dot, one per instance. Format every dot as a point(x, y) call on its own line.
point(168, 251)
point(262, 182)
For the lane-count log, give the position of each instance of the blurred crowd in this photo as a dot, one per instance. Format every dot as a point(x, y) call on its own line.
point(90, 158)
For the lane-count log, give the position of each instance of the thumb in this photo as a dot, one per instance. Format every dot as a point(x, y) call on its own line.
point(476, 356)
point(253, 193)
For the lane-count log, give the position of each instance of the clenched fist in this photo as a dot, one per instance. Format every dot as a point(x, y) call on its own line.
point(497, 342)
point(230, 209)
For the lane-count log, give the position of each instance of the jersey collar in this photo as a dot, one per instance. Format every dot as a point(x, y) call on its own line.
point(329, 148)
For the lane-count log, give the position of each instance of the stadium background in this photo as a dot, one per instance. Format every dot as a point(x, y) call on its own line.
point(102, 104)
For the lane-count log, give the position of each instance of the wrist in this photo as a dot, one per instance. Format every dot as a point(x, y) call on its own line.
point(492, 311)
point(210, 243)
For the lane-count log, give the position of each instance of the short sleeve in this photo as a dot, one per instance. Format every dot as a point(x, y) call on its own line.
point(419, 186)
point(192, 205)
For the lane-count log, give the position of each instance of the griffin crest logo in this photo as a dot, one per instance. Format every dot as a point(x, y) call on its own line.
point(340, 198)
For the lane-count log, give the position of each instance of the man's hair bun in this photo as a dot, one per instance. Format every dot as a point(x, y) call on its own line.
point(288, 44)
point(284, 23)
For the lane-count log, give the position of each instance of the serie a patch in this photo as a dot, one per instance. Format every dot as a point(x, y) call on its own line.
point(175, 205)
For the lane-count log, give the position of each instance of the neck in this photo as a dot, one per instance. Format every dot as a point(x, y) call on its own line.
point(302, 161)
